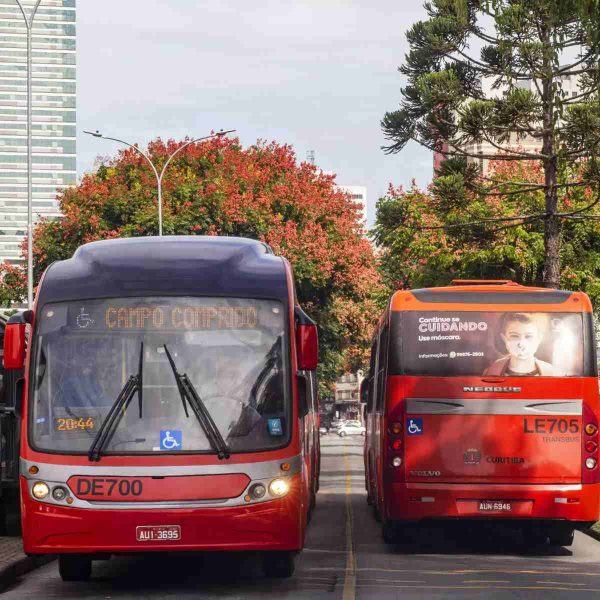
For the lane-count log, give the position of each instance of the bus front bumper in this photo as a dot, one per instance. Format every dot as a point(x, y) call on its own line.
point(417, 501)
point(272, 525)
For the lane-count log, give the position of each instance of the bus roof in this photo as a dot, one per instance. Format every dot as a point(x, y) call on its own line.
point(167, 266)
point(499, 295)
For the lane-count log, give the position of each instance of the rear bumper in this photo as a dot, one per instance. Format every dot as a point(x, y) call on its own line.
point(417, 501)
point(273, 525)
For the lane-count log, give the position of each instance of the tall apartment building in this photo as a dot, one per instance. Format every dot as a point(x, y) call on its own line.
point(53, 120)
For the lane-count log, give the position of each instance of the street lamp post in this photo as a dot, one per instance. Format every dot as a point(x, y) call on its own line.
point(29, 26)
point(159, 176)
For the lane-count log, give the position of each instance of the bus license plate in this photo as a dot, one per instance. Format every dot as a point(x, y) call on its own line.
point(494, 506)
point(158, 533)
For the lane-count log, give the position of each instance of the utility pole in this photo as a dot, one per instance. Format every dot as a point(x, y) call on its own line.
point(29, 26)
point(159, 176)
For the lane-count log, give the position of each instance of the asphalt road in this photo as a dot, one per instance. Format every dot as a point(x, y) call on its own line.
point(346, 558)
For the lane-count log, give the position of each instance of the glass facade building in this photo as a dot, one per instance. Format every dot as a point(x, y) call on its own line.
point(53, 117)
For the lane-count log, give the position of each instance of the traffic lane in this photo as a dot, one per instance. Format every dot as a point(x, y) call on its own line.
point(319, 568)
point(463, 561)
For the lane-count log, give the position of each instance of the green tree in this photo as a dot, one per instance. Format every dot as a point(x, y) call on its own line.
point(219, 188)
point(528, 50)
point(423, 242)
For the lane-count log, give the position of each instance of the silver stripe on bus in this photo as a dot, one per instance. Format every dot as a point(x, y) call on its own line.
point(258, 472)
point(492, 406)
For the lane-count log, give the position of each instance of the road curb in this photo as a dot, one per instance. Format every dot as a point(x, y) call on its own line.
point(10, 573)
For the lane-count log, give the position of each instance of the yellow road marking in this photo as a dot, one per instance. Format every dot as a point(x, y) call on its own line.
point(561, 583)
point(476, 587)
point(350, 576)
point(487, 581)
point(465, 571)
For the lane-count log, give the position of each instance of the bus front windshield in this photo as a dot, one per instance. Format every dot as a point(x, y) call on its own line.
point(232, 350)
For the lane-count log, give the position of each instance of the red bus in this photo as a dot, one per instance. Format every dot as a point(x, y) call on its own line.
point(482, 404)
point(168, 403)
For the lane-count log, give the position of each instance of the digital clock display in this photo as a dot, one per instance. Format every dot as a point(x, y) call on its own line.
point(74, 424)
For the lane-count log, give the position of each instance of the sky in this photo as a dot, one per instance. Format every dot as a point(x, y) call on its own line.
point(315, 74)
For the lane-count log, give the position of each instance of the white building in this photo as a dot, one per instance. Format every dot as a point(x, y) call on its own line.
point(358, 193)
point(54, 111)
point(570, 86)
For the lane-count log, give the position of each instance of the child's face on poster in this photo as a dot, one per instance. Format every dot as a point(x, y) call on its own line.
point(521, 339)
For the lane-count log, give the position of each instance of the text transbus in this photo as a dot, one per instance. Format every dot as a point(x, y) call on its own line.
point(168, 403)
point(482, 403)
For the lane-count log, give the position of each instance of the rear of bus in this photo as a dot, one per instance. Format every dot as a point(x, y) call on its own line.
point(182, 328)
point(491, 408)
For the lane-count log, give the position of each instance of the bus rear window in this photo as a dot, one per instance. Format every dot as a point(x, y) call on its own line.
point(493, 344)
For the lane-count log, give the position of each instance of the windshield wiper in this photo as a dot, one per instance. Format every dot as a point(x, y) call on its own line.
point(188, 392)
point(117, 410)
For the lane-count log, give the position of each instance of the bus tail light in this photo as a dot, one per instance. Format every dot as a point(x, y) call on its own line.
point(395, 443)
point(590, 471)
point(396, 428)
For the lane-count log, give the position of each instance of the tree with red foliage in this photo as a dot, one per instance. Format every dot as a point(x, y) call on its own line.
point(217, 187)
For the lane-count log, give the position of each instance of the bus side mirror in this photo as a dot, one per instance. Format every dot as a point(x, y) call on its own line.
point(307, 347)
point(364, 391)
point(303, 392)
point(14, 343)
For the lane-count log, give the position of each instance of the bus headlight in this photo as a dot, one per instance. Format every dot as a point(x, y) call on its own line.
point(257, 491)
point(40, 490)
point(590, 463)
point(59, 493)
point(279, 487)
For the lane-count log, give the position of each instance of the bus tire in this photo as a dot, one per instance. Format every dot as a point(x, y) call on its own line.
point(72, 567)
point(376, 512)
point(279, 564)
point(562, 536)
point(534, 537)
point(342, 434)
point(389, 532)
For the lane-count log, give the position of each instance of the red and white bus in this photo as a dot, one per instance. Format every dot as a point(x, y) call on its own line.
point(482, 403)
point(168, 403)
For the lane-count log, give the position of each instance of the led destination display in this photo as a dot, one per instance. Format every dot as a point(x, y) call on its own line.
point(181, 317)
point(121, 315)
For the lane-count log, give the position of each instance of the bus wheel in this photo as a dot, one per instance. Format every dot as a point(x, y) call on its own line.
point(389, 532)
point(279, 564)
point(376, 512)
point(74, 568)
point(562, 536)
point(342, 433)
point(534, 538)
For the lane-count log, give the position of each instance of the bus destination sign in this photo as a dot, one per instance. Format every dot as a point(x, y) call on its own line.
point(117, 317)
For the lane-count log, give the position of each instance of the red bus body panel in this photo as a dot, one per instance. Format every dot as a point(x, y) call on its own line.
point(274, 525)
point(520, 449)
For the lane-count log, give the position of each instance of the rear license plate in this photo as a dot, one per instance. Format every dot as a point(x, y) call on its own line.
point(494, 506)
point(158, 533)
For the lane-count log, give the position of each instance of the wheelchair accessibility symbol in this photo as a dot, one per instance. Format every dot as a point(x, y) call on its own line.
point(170, 439)
point(414, 426)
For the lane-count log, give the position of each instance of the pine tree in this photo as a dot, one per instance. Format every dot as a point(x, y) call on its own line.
point(527, 50)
